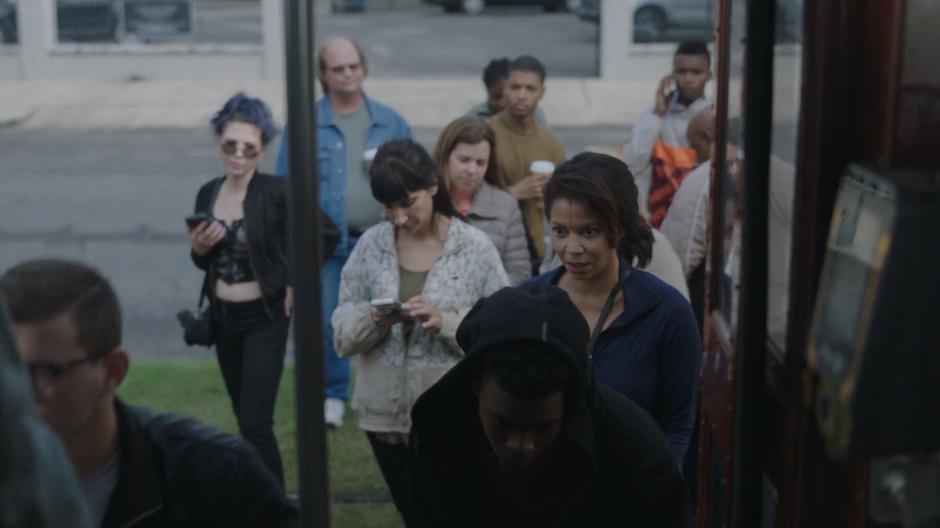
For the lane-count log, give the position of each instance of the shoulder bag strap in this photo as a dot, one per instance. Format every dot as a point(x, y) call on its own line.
point(203, 290)
point(605, 311)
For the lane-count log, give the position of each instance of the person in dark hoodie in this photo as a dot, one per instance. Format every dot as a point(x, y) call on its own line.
point(518, 433)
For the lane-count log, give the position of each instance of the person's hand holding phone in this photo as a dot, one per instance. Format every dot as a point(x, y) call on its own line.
point(419, 308)
point(204, 232)
point(666, 86)
point(386, 312)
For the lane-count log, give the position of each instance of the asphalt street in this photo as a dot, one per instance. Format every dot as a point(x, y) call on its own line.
point(426, 42)
point(117, 199)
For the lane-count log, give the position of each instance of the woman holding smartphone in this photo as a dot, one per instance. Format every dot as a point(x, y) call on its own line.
point(243, 249)
point(465, 154)
point(438, 266)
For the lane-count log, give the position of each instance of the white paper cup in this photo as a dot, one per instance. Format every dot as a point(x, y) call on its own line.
point(367, 156)
point(545, 169)
point(542, 167)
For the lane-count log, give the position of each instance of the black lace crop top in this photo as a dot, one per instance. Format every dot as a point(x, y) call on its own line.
point(233, 264)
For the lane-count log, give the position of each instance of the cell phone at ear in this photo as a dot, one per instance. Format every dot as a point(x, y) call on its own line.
point(194, 220)
point(387, 304)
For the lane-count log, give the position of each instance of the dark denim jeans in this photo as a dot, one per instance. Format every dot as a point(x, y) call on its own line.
point(393, 461)
point(250, 347)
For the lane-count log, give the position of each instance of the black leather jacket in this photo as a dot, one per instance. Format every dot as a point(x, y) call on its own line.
point(177, 472)
point(265, 209)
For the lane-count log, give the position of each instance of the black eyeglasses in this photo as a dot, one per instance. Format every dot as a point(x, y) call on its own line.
point(53, 370)
point(249, 150)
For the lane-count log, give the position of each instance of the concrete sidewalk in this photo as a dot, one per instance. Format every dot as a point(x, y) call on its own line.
point(570, 102)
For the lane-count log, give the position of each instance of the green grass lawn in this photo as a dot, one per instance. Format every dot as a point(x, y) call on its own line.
point(196, 389)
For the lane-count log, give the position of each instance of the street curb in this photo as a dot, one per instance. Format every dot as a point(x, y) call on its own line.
point(11, 117)
point(430, 103)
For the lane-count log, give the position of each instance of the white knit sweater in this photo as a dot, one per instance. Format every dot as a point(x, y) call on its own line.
point(391, 372)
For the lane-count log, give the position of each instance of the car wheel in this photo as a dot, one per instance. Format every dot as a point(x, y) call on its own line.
point(562, 5)
point(7, 32)
point(650, 21)
point(473, 7)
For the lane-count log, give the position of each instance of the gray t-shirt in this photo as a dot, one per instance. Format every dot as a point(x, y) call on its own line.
point(98, 487)
point(362, 211)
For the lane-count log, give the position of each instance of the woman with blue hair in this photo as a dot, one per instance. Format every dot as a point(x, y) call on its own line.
point(241, 244)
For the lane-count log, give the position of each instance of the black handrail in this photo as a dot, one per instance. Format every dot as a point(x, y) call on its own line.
point(305, 226)
point(716, 229)
point(751, 354)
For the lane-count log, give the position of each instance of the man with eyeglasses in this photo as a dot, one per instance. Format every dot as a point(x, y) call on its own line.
point(135, 467)
point(350, 127)
point(40, 488)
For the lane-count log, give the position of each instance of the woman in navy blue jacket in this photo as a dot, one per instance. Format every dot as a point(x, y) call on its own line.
point(647, 346)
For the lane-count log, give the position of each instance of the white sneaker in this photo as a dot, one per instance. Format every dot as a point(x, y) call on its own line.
point(333, 411)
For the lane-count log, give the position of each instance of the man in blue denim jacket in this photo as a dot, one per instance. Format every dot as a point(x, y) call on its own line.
point(350, 126)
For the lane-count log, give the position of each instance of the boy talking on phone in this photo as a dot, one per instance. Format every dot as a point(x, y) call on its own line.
point(658, 152)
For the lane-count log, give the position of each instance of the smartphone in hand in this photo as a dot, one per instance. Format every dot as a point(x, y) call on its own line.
point(194, 220)
point(387, 304)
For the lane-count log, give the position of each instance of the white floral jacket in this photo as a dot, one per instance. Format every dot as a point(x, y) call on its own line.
point(391, 372)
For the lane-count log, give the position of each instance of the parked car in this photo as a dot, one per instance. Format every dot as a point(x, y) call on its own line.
point(590, 11)
point(76, 20)
point(476, 7)
point(8, 22)
point(653, 18)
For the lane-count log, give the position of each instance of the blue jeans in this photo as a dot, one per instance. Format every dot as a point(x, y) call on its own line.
point(335, 367)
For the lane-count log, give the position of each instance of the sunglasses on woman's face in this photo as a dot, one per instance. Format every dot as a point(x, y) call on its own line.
point(230, 147)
